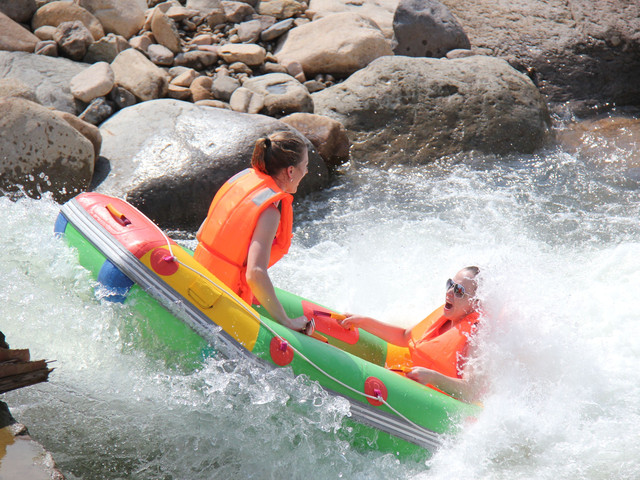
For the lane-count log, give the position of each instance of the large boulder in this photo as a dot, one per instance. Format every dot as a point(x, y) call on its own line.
point(171, 165)
point(337, 44)
point(586, 51)
point(48, 77)
point(413, 110)
point(122, 17)
point(41, 152)
point(380, 11)
point(426, 28)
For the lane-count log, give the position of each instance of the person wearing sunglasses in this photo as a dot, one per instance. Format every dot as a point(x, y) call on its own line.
point(437, 348)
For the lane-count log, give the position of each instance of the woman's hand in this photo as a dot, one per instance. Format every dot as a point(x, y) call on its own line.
point(300, 324)
point(423, 375)
point(352, 321)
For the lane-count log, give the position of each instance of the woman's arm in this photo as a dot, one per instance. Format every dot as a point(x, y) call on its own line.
point(257, 264)
point(390, 333)
point(456, 387)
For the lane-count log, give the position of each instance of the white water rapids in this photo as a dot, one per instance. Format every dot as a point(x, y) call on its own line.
point(556, 235)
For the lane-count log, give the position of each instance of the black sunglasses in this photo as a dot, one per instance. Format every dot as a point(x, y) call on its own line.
point(458, 290)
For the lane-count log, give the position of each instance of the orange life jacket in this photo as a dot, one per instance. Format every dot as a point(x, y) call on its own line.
point(225, 235)
point(442, 345)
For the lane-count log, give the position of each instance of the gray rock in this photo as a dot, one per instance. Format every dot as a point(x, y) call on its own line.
point(426, 28)
point(42, 152)
point(224, 86)
point(276, 30)
point(106, 49)
point(196, 59)
point(160, 55)
point(73, 39)
point(575, 50)
point(122, 97)
point(414, 110)
point(282, 93)
point(97, 111)
point(171, 165)
point(48, 77)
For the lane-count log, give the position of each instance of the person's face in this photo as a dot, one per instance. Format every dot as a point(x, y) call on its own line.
point(297, 173)
point(459, 301)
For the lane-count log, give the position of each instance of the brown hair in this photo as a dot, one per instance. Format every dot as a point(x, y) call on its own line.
point(277, 151)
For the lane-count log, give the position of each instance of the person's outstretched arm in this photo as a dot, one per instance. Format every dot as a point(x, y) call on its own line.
point(456, 387)
point(390, 333)
point(257, 264)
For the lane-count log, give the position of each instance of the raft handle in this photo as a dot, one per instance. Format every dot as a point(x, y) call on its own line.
point(120, 217)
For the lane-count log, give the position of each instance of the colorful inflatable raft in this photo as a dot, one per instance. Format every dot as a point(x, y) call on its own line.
point(135, 262)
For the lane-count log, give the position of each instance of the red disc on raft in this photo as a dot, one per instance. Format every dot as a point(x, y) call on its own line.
point(375, 387)
point(281, 352)
point(163, 262)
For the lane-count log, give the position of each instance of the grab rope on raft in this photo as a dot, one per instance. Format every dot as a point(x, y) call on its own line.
point(377, 392)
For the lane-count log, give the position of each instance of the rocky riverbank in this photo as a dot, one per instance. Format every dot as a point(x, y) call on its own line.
point(140, 98)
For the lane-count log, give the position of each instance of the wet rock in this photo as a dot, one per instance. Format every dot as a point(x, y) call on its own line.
point(139, 75)
point(426, 28)
point(14, 37)
point(327, 135)
point(41, 151)
point(181, 148)
point(96, 81)
point(106, 49)
point(46, 76)
point(55, 13)
point(73, 39)
point(122, 17)
point(341, 43)
point(414, 110)
point(282, 94)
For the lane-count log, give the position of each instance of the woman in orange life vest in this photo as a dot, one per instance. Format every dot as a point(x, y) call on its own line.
point(452, 329)
point(248, 227)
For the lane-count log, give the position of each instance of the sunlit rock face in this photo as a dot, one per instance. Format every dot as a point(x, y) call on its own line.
point(169, 157)
point(414, 110)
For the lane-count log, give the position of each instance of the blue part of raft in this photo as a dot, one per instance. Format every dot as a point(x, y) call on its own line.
point(114, 285)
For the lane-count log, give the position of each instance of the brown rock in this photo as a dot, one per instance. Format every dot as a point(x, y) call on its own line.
point(328, 136)
point(14, 37)
point(90, 132)
point(55, 13)
point(201, 88)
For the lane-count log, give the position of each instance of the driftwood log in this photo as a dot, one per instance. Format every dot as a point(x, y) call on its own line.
point(17, 370)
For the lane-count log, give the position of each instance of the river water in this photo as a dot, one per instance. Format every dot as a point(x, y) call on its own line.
point(557, 238)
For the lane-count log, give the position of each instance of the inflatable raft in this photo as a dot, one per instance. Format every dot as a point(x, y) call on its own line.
point(135, 262)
